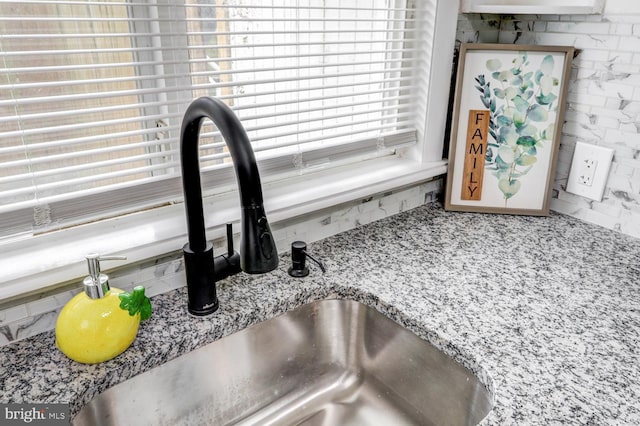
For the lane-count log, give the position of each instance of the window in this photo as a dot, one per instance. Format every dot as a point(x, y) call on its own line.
point(93, 92)
point(69, 115)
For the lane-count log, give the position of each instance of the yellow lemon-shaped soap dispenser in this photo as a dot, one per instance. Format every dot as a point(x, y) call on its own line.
point(101, 322)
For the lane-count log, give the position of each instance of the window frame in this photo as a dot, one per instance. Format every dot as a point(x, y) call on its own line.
point(43, 262)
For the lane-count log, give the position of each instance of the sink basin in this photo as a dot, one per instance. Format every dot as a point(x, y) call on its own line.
point(332, 362)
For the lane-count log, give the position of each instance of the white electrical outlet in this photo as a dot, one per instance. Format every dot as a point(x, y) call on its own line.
point(589, 170)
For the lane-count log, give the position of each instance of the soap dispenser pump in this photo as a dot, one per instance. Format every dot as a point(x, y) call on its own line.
point(96, 284)
point(100, 323)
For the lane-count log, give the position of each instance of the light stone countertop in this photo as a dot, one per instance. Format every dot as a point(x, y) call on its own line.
point(545, 310)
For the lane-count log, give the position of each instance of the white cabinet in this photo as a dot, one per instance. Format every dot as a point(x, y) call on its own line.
point(536, 7)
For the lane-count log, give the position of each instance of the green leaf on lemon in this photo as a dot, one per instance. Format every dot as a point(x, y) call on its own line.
point(136, 302)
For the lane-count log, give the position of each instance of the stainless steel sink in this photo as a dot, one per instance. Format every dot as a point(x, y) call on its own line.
point(332, 362)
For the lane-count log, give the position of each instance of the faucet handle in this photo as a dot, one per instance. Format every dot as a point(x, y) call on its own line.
point(228, 264)
point(229, 239)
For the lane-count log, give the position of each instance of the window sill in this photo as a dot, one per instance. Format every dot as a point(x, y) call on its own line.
point(41, 263)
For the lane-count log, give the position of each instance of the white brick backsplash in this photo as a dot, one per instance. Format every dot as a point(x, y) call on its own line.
point(42, 306)
point(635, 185)
point(622, 169)
point(616, 114)
point(508, 37)
point(622, 62)
point(608, 122)
point(630, 223)
point(530, 25)
point(13, 314)
point(579, 108)
point(619, 183)
point(580, 74)
point(565, 207)
point(601, 219)
point(477, 22)
point(611, 210)
point(631, 108)
point(586, 18)
point(580, 27)
point(628, 78)
point(610, 88)
point(579, 117)
point(613, 103)
point(586, 131)
point(586, 99)
point(565, 153)
point(629, 139)
point(63, 298)
point(583, 85)
point(580, 41)
point(597, 55)
point(628, 127)
point(622, 28)
point(617, 18)
point(629, 44)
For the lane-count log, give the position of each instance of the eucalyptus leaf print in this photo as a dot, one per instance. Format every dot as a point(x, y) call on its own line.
point(521, 101)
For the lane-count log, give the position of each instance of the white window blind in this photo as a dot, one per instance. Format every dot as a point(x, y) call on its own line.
point(92, 94)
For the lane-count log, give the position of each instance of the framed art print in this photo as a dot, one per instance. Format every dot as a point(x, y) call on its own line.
point(507, 118)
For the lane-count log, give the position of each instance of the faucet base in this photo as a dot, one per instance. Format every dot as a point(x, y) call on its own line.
point(201, 283)
point(204, 312)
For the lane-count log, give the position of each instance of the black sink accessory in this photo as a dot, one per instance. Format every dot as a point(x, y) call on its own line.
point(299, 256)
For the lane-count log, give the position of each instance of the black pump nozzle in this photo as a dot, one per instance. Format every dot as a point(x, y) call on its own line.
point(299, 255)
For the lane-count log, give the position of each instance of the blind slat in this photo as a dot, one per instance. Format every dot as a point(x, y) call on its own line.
point(133, 92)
point(88, 166)
point(384, 8)
point(159, 20)
point(54, 129)
point(123, 107)
point(57, 68)
point(271, 125)
point(41, 85)
point(139, 50)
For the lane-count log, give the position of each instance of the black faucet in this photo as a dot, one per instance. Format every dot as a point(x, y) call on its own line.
point(258, 252)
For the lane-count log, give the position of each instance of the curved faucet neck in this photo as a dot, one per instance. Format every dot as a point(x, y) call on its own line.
point(241, 152)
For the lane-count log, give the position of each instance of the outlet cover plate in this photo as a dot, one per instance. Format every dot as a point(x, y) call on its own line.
point(589, 170)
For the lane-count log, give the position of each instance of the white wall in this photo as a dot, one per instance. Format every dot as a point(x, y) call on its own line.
point(603, 100)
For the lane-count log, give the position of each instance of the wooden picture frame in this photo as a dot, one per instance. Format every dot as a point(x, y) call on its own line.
point(507, 120)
